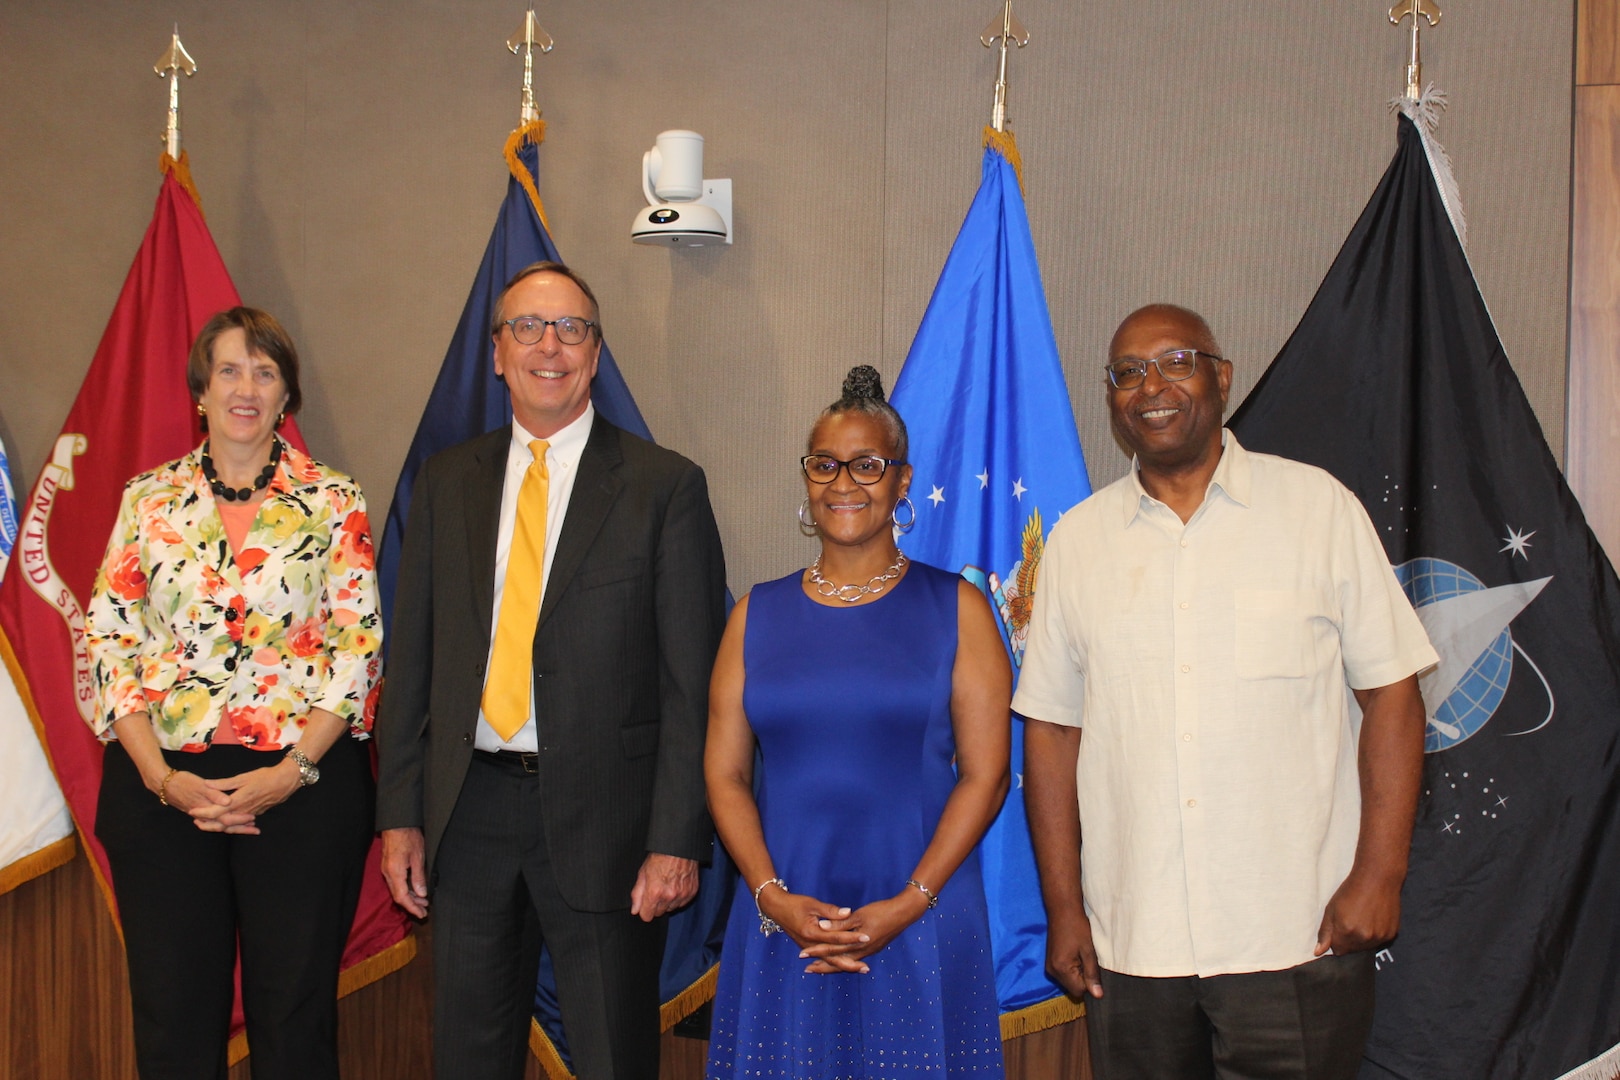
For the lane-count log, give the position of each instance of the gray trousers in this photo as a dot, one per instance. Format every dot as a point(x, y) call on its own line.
point(1303, 1023)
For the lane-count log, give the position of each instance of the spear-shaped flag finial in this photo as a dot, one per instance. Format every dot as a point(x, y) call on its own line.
point(1419, 10)
point(530, 36)
point(172, 64)
point(1006, 29)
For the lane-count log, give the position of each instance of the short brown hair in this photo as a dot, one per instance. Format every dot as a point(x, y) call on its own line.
point(497, 317)
point(265, 337)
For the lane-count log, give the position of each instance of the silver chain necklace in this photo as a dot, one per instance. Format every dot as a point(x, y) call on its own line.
point(851, 593)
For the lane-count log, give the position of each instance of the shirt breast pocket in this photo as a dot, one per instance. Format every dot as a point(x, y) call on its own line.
point(1274, 632)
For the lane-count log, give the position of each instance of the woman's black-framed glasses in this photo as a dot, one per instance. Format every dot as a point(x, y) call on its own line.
point(528, 330)
point(866, 470)
point(1174, 366)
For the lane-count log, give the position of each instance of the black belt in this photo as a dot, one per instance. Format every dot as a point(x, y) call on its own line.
point(523, 761)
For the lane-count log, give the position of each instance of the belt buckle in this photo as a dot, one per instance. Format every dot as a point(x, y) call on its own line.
point(530, 760)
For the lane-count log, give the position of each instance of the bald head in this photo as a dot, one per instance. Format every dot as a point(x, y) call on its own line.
point(1171, 423)
point(1180, 322)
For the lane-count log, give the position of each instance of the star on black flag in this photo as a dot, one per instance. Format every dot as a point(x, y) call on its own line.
point(1508, 960)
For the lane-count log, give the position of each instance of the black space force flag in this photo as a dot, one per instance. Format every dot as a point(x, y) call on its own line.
point(1508, 960)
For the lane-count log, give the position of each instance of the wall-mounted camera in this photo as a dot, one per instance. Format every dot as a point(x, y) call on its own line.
point(683, 209)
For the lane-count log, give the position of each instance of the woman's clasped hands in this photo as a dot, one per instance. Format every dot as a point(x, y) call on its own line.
point(231, 804)
point(839, 939)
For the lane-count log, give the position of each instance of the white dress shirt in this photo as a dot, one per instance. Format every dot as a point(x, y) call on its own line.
point(562, 462)
point(1208, 664)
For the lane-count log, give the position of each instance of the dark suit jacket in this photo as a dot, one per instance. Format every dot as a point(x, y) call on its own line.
point(629, 625)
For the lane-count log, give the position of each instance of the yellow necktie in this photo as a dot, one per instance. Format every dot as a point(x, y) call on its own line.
point(511, 667)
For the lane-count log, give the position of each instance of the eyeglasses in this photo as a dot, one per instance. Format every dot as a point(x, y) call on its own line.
point(1173, 366)
point(528, 330)
point(823, 468)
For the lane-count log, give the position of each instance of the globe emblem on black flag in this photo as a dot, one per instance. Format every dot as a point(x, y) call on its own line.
point(1478, 693)
point(1468, 623)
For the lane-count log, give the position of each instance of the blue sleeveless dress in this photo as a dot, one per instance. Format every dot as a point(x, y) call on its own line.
point(851, 709)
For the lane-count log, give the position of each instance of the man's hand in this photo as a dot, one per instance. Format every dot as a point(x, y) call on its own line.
point(404, 867)
point(1363, 914)
point(663, 884)
point(1071, 958)
point(1365, 911)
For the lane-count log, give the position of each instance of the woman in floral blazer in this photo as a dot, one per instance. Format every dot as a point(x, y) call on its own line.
point(236, 642)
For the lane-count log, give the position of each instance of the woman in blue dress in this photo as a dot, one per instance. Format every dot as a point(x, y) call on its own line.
point(875, 691)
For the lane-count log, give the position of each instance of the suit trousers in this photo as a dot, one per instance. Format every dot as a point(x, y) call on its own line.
point(189, 899)
point(495, 902)
point(1308, 1022)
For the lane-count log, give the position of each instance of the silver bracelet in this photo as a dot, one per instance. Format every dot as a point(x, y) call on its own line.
point(768, 925)
point(933, 897)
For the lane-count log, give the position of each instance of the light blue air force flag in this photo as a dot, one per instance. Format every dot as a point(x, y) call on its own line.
point(996, 461)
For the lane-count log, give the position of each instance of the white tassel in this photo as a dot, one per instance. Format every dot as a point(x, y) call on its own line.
point(1603, 1067)
point(1425, 114)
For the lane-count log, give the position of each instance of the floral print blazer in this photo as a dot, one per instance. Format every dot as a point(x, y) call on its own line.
point(180, 629)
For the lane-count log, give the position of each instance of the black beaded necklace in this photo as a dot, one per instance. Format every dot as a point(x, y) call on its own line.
point(230, 494)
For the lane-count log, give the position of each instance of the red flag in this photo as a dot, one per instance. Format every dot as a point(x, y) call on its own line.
point(134, 412)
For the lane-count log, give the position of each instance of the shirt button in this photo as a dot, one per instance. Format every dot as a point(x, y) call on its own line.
point(1186, 736)
point(1184, 543)
point(1186, 667)
point(1184, 605)
point(1192, 802)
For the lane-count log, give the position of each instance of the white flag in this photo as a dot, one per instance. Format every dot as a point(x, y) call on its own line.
point(36, 832)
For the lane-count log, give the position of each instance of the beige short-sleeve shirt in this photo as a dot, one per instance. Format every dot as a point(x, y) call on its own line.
point(1209, 665)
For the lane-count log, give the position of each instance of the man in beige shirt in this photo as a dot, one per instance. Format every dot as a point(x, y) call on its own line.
point(1246, 830)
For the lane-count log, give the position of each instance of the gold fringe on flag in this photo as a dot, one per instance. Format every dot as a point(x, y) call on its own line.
point(551, 1062)
point(535, 133)
point(690, 1000)
point(377, 965)
point(672, 1012)
point(350, 979)
point(35, 863)
point(1007, 147)
point(181, 171)
point(1047, 1014)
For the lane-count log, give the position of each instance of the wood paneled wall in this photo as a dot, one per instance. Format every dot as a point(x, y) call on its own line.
point(1592, 458)
point(64, 1003)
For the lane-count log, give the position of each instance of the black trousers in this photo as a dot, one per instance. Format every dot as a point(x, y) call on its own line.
point(495, 901)
point(1302, 1023)
point(188, 900)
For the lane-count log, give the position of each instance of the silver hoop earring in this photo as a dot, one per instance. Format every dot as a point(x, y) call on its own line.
point(807, 525)
point(894, 515)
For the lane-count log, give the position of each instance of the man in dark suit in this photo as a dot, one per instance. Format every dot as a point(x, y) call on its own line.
point(541, 760)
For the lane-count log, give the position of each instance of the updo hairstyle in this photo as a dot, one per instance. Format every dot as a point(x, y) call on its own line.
point(863, 393)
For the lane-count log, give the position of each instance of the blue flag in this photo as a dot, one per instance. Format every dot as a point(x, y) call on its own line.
point(996, 460)
point(468, 400)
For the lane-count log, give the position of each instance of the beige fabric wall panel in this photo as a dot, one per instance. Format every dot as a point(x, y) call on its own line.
point(348, 157)
point(1216, 155)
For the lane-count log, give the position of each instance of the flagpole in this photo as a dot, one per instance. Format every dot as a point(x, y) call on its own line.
point(1004, 28)
point(172, 64)
point(1424, 106)
point(530, 36)
point(1418, 10)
